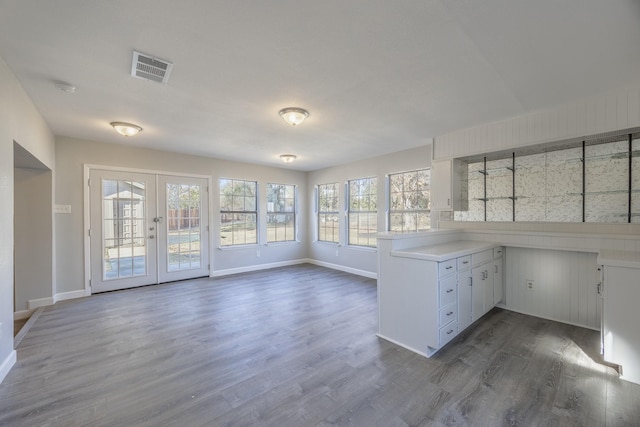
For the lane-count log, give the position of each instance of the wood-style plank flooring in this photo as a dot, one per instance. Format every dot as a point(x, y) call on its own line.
point(296, 346)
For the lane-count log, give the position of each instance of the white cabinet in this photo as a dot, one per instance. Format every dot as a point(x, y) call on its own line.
point(447, 301)
point(621, 317)
point(425, 303)
point(478, 283)
point(498, 281)
point(448, 185)
point(465, 292)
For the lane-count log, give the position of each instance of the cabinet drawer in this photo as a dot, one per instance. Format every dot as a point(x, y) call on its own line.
point(464, 263)
point(448, 332)
point(448, 314)
point(446, 267)
point(482, 257)
point(448, 290)
point(497, 252)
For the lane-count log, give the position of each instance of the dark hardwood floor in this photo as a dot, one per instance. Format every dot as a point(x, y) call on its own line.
point(296, 346)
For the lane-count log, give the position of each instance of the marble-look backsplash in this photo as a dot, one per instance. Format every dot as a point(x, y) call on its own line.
point(549, 186)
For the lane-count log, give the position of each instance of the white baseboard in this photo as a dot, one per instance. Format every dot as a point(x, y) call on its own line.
point(355, 271)
point(32, 304)
point(7, 364)
point(257, 267)
point(70, 295)
point(551, 318)
point(22, 314)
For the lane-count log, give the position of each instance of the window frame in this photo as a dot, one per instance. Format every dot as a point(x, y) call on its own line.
point(320, 213)
point(293, 212)
point(426, 211)
point(358, 212)
point(254, 212)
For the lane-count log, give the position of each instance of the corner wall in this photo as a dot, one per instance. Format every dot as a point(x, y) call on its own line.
point(356, 259)
point(33, 258)
point(73, 154)
point(20, 121)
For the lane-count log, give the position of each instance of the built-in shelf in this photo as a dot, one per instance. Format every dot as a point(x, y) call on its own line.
point(568, 165)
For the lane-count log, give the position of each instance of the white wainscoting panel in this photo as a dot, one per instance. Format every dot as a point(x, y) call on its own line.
point(564, 285)
point(609, 112)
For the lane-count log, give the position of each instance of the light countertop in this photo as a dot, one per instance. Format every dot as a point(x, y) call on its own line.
point(445, 251)
point(619, 258)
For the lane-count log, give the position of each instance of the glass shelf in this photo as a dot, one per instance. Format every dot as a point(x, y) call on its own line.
point(570, 171)
point(488, 171)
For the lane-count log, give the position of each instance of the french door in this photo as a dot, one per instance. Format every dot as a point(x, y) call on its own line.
point(146, 229)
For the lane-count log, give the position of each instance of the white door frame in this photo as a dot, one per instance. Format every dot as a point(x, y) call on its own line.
point(87, 211)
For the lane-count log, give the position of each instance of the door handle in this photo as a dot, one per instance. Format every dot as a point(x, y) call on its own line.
point(157, 219)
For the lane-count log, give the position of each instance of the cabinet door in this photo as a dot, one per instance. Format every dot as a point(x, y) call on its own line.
point(441, 185)
point(498, 279)
point(489, 274)
point(477, 292)
point(464, 299)
point(621, 320)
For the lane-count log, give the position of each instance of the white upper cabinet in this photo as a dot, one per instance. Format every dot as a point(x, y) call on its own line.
point(448, 185)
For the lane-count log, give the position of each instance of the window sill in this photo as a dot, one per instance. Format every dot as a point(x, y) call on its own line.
point(362, 248)
point(235, 247)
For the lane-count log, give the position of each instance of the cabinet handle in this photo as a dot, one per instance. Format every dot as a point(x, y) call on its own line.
point(450, 332)
point(449, 291)
point(496, 269)
point(465, 262)
point(450, 313)
point(449, 267)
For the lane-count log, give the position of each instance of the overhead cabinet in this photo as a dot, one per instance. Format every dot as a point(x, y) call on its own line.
point(449, 185)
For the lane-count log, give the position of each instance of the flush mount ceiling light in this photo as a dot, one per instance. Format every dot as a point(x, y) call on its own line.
point(288, 158)
point(126, 129)
point(294, 116)
point(64, 86)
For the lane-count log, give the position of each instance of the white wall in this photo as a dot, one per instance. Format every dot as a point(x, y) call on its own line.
point(33, 258)
point(351, 258)
point(604, 113)
point(73, 154)
point(564, 285)
point(20, 121)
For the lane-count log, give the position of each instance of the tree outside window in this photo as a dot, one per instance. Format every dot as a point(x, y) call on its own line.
point(281, 213)
point(410, 201)
point(363, 211)
point(238, 212)
point(328, 224)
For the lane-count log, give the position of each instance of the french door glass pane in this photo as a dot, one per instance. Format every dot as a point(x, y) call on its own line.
point(183, 227)
point(123, 244)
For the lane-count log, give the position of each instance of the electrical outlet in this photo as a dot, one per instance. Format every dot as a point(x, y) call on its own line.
point(258, 253)
point(530, 284)
point(337, 252)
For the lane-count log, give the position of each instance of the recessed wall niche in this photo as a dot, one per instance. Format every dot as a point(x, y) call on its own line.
point(596, 179)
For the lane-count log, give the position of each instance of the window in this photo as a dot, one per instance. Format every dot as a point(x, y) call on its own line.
point(238, 212)
point(409, 201)
point(328, 226)
point(363, 212)
point(281, 213)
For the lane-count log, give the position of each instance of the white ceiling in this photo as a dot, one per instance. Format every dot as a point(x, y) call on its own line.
point(377, 76)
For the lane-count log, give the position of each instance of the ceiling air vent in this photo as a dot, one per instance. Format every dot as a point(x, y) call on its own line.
point(147, 67)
